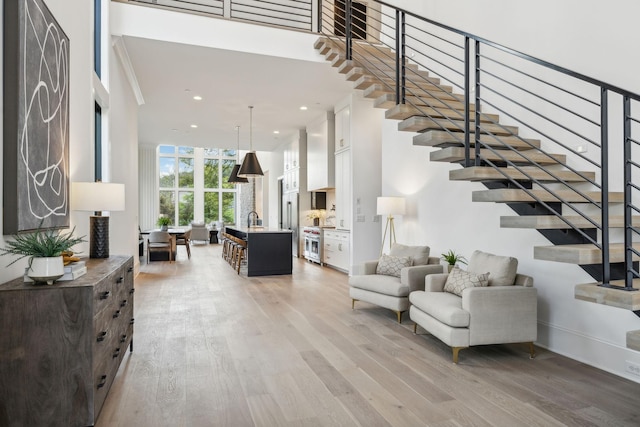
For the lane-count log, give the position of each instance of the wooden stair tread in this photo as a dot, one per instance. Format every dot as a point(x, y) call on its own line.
point(456, 155)
point(508, 195)
point(367, 77)
point(550, 222)
point(628, 300)
point(404, 111)
point(581, 254)
point(633, 339)
point(435, 138)
point(524, 173)
point(376, 90)
point(388, 100)
point(423, 124)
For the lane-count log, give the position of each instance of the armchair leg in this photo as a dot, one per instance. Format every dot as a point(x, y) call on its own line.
point(532, 351)
point(456, 350)
point(415, 328)
point(399, 316)
point(353, 303)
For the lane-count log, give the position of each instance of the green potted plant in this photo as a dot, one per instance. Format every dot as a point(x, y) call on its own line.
point(44, 248)
point(452, 258)
point(164, 222)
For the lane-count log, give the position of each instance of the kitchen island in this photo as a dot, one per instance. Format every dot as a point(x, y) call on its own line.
point(270, 249)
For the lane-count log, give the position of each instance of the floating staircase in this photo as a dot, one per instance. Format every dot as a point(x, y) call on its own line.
point(437, 114)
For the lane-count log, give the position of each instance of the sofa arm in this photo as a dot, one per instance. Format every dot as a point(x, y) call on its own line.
point(367, 267)
point(435, 282)
point(501, 314)
point(414, 276)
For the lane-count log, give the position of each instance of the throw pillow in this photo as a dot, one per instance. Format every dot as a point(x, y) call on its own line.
point(459, 280)
point(419, 254)
point(390, 265)
point(502, 269)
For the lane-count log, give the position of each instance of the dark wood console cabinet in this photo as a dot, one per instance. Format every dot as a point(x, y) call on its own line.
point(61, 345)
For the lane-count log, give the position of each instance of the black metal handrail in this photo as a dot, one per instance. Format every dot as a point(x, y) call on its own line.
point(566, 111)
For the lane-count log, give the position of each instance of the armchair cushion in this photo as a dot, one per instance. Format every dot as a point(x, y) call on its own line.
point(380, 284)
point(442, 306)
point(390, 265)
point(502, 269)
point(419, 254)
point(459, 280)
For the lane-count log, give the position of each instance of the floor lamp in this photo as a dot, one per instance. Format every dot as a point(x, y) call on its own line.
point(390, 206)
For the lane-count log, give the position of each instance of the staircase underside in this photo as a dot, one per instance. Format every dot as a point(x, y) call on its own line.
point(513, 168)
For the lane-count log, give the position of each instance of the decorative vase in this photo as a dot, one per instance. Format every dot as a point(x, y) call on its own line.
point(316, 222)
point(450, 267)
point(46, 270)
point(164, 227)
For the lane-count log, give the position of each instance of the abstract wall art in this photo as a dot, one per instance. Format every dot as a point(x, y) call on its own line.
point(36, 119)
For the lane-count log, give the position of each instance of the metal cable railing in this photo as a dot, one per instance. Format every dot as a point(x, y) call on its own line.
point(461, 83)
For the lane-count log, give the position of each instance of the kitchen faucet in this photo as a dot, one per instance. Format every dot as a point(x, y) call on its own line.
point(249, 218)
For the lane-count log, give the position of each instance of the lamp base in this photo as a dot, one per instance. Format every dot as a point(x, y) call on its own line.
point(99, 237)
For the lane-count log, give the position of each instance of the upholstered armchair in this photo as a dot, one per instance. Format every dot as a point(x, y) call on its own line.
point(199, 232)
point(487, 304)
point(387, 282)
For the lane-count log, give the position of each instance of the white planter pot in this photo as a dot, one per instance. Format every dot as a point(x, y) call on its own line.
point(46, 270)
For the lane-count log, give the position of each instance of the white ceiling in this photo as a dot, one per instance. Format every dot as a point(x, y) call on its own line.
point(170, 74)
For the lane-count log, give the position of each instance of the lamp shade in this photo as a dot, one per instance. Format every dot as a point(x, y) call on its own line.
point(97, 196)
point(391, 205)
point(234, 178)
point(250, 165)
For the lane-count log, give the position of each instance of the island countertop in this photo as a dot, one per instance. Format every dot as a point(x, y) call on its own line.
point(251, 230)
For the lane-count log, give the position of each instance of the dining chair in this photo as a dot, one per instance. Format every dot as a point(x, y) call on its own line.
point(159, 241)
point(185, 240)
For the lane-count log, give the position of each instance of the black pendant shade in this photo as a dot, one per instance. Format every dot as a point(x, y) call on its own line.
point(234, 178)
point(250, 166)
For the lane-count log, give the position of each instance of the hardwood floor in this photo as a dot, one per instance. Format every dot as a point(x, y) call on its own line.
point(212, 348)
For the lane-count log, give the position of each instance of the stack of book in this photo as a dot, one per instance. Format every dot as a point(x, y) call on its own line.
point(71, 272)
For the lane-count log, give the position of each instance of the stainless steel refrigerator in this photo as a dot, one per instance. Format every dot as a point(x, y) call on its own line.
point(290, 219)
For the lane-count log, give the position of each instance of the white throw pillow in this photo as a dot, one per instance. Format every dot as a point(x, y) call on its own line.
point(459, 280)
point(419, 254)
point(390, 265)
point(502, 269)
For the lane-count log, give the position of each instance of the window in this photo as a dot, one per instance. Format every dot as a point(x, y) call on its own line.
point(184, 196)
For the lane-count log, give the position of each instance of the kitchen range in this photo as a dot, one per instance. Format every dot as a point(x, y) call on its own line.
point(313, 244)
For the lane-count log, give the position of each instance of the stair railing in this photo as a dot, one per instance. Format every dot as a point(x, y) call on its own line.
point(566, 111)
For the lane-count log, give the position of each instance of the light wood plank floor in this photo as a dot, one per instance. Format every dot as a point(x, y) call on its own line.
point(212, 348)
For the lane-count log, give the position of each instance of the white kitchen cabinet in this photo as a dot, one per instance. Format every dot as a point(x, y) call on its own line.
point(336, 249)
point(343, 190)
point(320, 153)
point(295, 159)
point(343, 128)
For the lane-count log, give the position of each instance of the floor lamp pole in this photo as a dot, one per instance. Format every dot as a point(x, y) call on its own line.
point(392, 234)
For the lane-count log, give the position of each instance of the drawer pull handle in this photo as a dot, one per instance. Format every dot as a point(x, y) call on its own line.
point(105, 295)
point(103, 381)
point(101, 336)
point(123, 338)
point(129, 270)
point(116, 352)
point(116, 314)
point(123, 303)
point(120, 279)
point(132, 321)
point(131, 290)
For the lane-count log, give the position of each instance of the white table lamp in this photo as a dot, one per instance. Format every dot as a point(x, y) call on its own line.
point(390, 206)
point(97, 197)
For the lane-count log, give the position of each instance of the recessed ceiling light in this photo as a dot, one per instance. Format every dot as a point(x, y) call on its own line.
point(197, 98)
point(194, 126)
point(276, 132)
point(303, 108)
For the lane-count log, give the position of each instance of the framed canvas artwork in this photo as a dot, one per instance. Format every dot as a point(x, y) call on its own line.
point(36, 118)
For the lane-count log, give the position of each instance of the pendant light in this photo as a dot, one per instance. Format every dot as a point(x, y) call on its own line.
point(250, 164)
point(234, 178)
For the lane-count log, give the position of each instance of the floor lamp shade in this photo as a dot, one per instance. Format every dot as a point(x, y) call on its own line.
point(97, 197)
point(390, 206)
